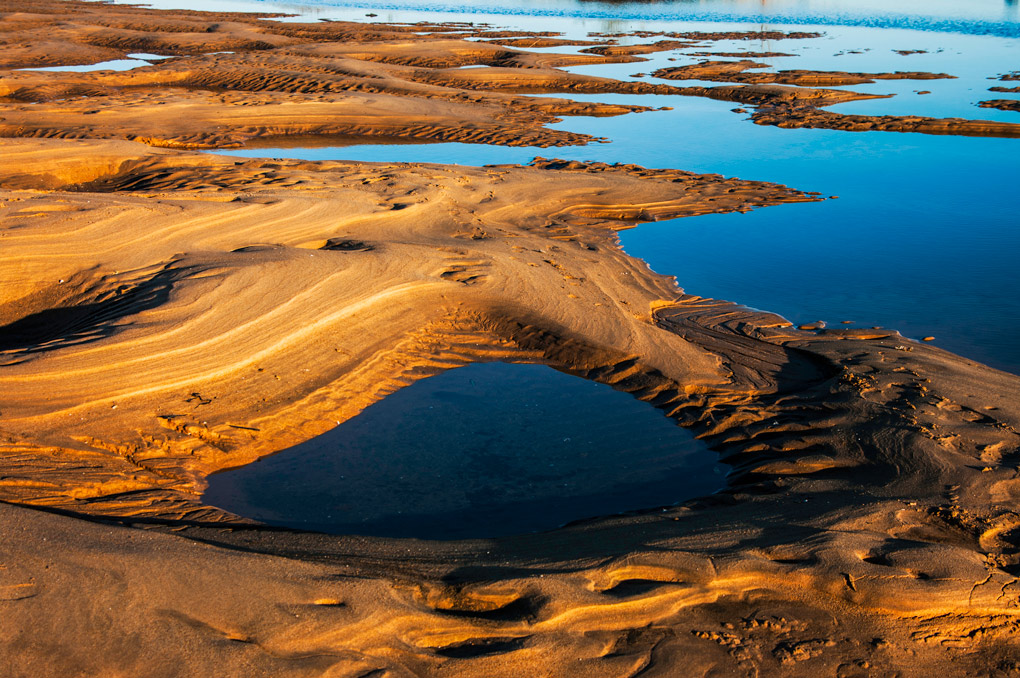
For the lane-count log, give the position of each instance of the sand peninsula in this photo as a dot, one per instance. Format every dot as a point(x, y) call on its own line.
point(166, 313)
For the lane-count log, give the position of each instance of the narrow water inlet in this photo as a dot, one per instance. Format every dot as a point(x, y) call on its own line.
point(486, 450)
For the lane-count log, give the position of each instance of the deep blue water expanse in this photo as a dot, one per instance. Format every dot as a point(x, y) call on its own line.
point(923, 238)
point(485, 450)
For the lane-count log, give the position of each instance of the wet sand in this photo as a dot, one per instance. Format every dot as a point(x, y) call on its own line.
point(166, 314)
point(1001, 104)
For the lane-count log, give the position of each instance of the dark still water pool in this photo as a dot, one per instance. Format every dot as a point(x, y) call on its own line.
point(486, 450)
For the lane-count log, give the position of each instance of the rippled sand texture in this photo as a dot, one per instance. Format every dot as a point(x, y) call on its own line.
point(250, 79)
point(165, 314)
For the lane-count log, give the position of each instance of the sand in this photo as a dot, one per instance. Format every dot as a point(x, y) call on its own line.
point(738, 71)
point(1001, 104)
point(792, 107)
point(165, 314)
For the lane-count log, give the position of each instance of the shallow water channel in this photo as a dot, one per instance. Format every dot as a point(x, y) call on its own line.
point(485, 450)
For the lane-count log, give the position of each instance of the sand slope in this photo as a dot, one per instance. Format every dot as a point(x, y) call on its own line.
point(156, 281)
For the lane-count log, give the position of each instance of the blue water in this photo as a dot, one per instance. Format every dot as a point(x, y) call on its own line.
point(976, 17)
point(133, 61)
point(485, 450)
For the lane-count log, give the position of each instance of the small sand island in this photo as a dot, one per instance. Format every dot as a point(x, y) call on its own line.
point(167, 313)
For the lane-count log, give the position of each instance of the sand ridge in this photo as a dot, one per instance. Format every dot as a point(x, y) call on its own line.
point(73, 276)
point(793, 107)
point(737, 71)
point(1001, 104)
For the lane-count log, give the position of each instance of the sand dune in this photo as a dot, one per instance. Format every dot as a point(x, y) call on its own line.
point(166, 241)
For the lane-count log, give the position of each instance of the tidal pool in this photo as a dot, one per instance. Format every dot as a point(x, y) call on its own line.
point(486, 450)
point(133, 61)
